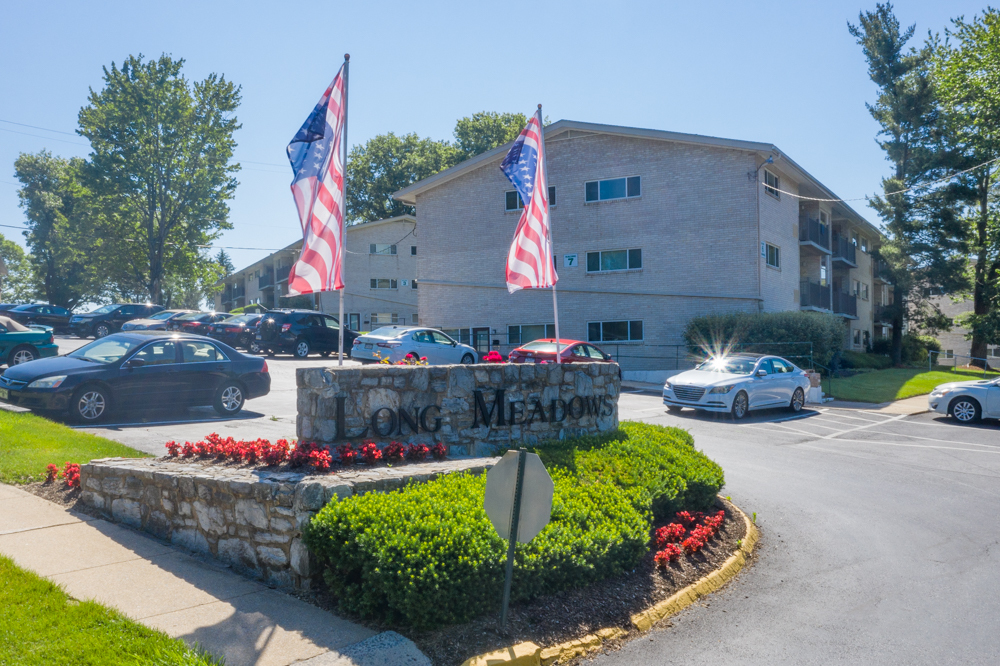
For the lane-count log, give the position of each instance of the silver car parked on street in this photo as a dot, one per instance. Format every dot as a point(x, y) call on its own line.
point(397, 342)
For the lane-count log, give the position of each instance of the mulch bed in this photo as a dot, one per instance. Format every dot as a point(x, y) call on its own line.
point(59, 493)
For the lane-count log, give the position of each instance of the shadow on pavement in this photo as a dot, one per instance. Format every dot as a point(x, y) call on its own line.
point(162, 416)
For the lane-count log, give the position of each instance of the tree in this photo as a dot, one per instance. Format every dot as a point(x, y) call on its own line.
point(60, 219)
point(225, 263)
point(16, 279)
point(486, 130)
point(921, 244)
point(967, 75)
point(159, 169)
point(388, 163)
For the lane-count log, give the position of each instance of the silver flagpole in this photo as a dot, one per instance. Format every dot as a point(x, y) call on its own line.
point(343, 223)
point(545, 170)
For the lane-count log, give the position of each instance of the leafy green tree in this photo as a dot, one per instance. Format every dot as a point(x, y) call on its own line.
point(60, 218)
point(486, 130)
point(16, 278)
point(159, 169)
point(967, 69)
point(388, 163)
point(225, 263)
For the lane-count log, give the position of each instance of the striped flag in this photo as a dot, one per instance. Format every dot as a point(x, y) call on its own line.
point(318, 189)
point(530, 261)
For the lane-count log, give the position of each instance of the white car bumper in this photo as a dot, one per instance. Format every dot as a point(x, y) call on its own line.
point(710, 402)
point(938, 403)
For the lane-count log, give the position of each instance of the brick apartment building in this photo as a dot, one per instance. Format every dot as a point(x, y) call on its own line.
point(650, 228)
point(380, 274)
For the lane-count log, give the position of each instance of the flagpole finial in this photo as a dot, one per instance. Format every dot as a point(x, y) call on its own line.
point(539, 107)
point(347, 56)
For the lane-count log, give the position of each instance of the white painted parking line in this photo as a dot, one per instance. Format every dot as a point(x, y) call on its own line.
point(995, 450)
point(934, 439)
point(865, 427)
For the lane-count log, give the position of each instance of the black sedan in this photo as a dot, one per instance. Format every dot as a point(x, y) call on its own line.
point(237, 331)
point(40, 313)
point(195, 322)
point(137, 370)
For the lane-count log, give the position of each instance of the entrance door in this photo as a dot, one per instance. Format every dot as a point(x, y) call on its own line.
point(481, 339)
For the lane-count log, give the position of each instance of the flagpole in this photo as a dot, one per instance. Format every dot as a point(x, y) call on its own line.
point(343, 222)
point(545, 170)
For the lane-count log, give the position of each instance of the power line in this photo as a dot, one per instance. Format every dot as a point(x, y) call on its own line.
point(46, 129)
point(48, 138)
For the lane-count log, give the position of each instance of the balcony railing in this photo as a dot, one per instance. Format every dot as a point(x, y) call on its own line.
point(844, 250)
point(882, 314)
point(811, 231)
point(881, 271)
point(265, 281)
point(844, 303)
point(814, 295)
point(282, 273)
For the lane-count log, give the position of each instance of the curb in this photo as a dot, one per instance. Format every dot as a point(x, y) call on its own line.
point(530, 654)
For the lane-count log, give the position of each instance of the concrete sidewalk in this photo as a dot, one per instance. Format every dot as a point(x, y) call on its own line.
point(197, 600)
point(909, 406)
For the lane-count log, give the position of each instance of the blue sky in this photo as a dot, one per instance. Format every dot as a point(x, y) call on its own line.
point(783, 72)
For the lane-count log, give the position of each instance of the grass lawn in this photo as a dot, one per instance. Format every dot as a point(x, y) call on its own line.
point(28, 443)
point(894, 383)
point(41, 624)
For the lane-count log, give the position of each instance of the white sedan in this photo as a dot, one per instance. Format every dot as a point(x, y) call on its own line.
point(967, 402)
point(738, 384)
point(397, 342)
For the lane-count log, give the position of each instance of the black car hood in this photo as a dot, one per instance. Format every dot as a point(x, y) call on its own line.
point(57, 365)
point(87, 315)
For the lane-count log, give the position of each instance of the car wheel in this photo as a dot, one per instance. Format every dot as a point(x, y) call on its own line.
point(798, 400)
point(741, 405)
point(22, 354)
point(468, 359)
point(254, 347)
point(91, 404)
point(964, 410)
point(229, 400)
point(673, 409)
point(101, 331)
point(302, 349)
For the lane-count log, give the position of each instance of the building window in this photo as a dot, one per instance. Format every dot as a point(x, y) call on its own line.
point(864, 245)
point(413, 283)
point(864, 291)
point(386, 319)
point(772, 184)
point(855, 288)
point(857, 337)
point(949, 353)
point(413, 250)
point(854, 239)
point(381, 248)
point(614, 331)
point(512, 200)
point(773, 255)
point(614, 260)
point(383, 283)
point(463, 335)
point(354, 321)
point(613, 188)
point(415, 319)
point(522, 335)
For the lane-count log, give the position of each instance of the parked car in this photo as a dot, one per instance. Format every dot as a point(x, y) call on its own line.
point(156, 322)
point(967, 402)
point(738, 384)
point(41, 313)
point(136, 370)
point(237, 331)
point(397, 342)
point(570, 351)
point(301, 332)
point(109, 318)
point(20, 344)
point(195, 322)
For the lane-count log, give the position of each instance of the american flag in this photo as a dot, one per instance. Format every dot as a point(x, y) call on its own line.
point(318, 188)
point(530, 261)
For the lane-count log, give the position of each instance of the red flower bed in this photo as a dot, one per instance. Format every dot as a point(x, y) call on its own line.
point(691, 531)
point(301, 454)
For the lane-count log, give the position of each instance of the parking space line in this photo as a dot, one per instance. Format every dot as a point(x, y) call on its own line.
point(917, 446)
point(934, 439)
point(865, 427)
point(836, 412)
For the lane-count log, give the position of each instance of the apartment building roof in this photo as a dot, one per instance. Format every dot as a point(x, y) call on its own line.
point(567, 129)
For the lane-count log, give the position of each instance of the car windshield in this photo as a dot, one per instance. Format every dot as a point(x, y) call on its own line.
point(193, 316)
point(237, 319)
point(541, 346)
point(387, 332)
point(105, 350)
point(732, 366)
point(166, 314)
point(104, 310)
point(26, 306)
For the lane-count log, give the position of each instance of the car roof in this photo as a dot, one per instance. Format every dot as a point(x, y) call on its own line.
point(562, 341)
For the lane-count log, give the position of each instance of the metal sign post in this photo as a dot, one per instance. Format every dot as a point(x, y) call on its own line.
point(515, 517)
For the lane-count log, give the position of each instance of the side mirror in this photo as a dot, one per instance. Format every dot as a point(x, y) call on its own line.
point(607, 357)
point(134, 363)
point(762, 373)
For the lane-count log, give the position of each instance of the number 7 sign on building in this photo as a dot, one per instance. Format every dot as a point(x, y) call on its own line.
point(569, 260)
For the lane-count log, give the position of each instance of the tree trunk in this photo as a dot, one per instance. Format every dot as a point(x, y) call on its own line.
point(980, 305)
point(898, 310)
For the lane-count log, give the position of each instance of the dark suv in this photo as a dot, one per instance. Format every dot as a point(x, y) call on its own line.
point(109, 319)
point(301, 332)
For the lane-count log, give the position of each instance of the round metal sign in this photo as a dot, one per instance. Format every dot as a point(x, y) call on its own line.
point(536, 496)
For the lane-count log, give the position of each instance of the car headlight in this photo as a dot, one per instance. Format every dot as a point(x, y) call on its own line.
point(668, 386)
point(48, 382)
point(723, 389)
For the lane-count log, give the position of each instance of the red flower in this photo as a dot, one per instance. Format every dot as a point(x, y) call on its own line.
point(417, 452)
point(439, 451)
point(671, 533)
point(670, 553)
point(394, 452)
point(493, 357)
point(347, 454)
point(275, 454)
point(173, 448)
point(71, 473)
point(52, 472)
point(691, 545)
point(684, 518)
point(320, 458)
point(370, 453)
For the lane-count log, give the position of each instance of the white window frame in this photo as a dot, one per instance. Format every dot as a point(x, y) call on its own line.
point(629, 323)
point(389, 249)
point(376, 320)
point(616, 270)
point(413, 250)
point(393, 283)
point(777, 255)
point(520, 203)
point(770, 189)
point(604, 180)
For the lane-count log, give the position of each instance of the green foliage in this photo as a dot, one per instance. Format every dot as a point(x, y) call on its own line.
point(16, 286)
point(41, 625)
point(486, 130)
point(60, 217)
point(916, 347)
point(768, 333)
point(859, 361)
point(428, 555)
point(159, 171)
point(879, 386)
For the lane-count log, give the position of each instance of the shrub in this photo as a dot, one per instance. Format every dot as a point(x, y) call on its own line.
point(916, 347)
point(761, 332)
point(859, 361)
point(394, 452)
point(417, 452)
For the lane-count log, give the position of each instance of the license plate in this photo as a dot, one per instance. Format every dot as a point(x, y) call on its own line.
point(259, 337)
point(3, 394)
point(368, 346)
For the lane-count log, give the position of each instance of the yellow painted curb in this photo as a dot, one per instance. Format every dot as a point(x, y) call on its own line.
point(529, 654)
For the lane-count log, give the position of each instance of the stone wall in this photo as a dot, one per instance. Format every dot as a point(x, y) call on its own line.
point(249, 518)
point(458, 404)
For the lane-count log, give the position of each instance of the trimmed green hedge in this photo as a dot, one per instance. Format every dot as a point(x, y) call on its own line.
point(428, 555)
point(859, 361)
point(769, 333)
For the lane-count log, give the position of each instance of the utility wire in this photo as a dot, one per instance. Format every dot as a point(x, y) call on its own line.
point(46, 129)
point(48, 138)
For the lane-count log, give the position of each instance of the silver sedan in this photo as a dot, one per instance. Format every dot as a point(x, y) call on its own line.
point(397, 342)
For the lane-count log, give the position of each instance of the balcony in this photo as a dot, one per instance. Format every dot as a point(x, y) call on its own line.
point(845, 304)
point(882, 315)
point(880, 271)
point(282, 273)
point(844, 250)
point(265, 281)
point(814, 296)
point(811, 232)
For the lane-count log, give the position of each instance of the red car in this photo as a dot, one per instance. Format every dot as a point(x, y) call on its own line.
point(196, 322)
point(570, 351)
